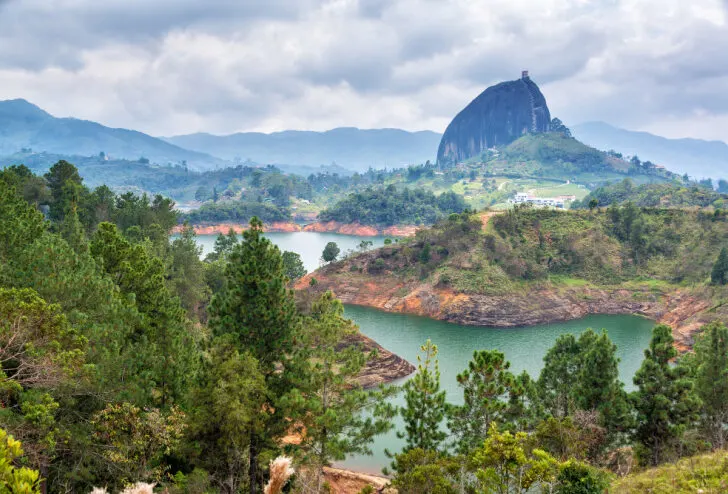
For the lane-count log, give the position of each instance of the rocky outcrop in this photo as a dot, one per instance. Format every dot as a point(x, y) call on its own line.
point(343, 228)
point(683, 310)
point(384, 368)
point(498, 116)
point(349, 482)
point(361, 230)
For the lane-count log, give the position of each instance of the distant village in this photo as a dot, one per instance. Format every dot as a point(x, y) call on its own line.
point(554, 202)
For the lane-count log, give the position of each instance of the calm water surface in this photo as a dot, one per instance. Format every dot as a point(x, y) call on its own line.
point(309, 245)
point(403, 335)
point(523, 347)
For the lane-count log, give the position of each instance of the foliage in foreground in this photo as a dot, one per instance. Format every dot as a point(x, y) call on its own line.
point(705, 473)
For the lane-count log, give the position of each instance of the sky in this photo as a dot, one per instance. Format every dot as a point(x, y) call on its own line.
point(169, 67)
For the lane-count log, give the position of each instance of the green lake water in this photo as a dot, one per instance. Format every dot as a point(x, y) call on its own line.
point(404, 334)
point(523, 347)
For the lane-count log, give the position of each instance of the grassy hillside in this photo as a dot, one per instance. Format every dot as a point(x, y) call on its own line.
point(556, 155)
point(526, 245)
point(706, 474)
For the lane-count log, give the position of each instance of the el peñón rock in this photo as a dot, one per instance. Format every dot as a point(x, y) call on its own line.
point(498, 116)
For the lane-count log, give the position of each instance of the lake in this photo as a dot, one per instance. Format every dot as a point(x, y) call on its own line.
point(524, 348)
point(309, 245)
point(404, 334)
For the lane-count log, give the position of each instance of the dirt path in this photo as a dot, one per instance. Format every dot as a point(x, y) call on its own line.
point(485, 218)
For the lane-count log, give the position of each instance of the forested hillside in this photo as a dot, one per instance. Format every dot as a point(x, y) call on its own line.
point(523, 244)
point(389, 206)
point(125, 358)
point(667, 194)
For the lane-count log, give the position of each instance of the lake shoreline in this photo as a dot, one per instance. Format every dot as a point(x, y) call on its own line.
point(684, 310)
point(353, 229)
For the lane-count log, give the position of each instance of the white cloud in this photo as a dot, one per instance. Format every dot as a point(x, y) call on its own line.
point(178, 66)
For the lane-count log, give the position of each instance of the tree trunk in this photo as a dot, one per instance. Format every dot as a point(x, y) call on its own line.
point(253, 468)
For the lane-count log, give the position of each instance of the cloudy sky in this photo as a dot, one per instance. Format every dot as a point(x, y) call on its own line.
point(178, 66)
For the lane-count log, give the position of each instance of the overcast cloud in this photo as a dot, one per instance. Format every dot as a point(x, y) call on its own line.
point(179, 66)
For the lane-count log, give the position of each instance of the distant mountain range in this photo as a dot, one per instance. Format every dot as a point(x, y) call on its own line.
point(24, 125)
point(356, 149)
point(698, 158)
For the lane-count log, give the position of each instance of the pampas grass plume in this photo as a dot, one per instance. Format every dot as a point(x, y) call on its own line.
point(280, 471)
point(139, 488)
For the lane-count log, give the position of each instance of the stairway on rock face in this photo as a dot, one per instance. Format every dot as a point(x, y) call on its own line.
point(532, 99)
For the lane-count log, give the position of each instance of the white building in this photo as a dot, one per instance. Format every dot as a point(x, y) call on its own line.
point(524, 197)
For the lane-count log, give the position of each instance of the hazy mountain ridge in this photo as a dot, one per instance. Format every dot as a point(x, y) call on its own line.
point(25, 125)
point(350, 147)
point(696, 157)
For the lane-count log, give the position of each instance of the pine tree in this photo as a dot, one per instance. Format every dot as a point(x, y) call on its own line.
point(425, 404)
point(485, 386)
point(64, 183)
point(598, 386)
point(711, 382)
point(230, 402)
point(186, 273)
point(719, 274)
point(559, 375)
point(293, 266)
point(72, 230)
point(259, 313)
point(664, 399)
point(331, 252)
point(331, 402)
point(166, 349)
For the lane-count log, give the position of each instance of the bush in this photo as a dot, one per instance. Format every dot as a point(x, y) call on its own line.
point(576, 477)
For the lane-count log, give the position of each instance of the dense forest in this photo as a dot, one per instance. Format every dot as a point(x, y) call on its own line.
point(390, 206)
point(668, 195)
point(125, 358)
point(237, 211)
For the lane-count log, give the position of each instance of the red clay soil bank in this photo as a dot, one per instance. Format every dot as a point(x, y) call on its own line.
point(327, 227)
point(279, 226)
point(361, 230)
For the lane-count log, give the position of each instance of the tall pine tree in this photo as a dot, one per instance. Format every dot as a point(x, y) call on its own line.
point(664, 399)
point(559, 376)
point(598, 386)
point(331, 402)
point(425, 404)
point(485, 384)
point(711, 382)
point(257, 310)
